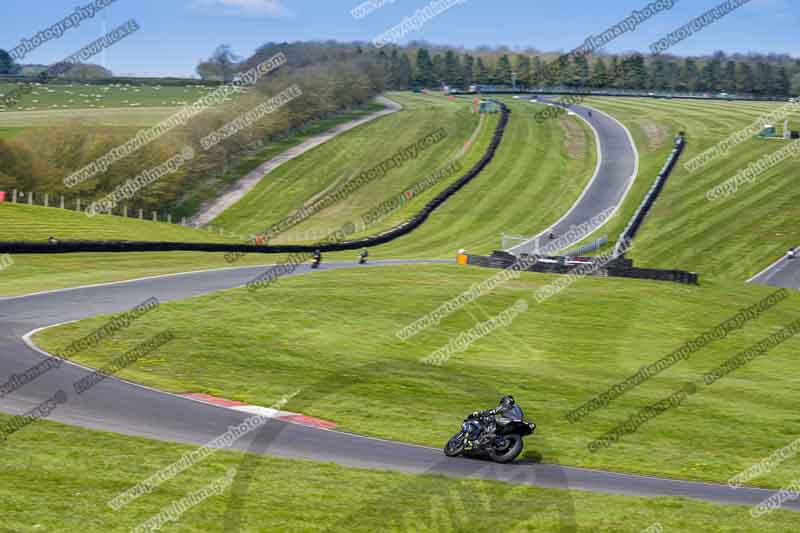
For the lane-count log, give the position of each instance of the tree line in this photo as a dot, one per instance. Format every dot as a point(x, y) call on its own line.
point(763, 75)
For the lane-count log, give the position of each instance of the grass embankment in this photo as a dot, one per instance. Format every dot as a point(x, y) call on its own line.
point(31, 273)
point(250, 161)
point(34, 223)
point(292, 185)
point(43, 272)
point(333, 335)
point(37, 272)
point(731, 238)
point(59, 478)
point(514, 194)
point(538, 172)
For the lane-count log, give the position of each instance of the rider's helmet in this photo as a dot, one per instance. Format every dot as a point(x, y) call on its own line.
point(507, 401)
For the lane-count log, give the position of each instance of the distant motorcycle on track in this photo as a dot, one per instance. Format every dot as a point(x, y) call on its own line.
point(316, 259)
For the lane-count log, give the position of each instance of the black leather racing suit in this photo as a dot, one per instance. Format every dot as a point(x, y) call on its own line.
point(503, 413)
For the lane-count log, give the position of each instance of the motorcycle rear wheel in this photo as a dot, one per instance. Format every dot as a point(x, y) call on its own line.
point(455, 445)
point(510, 453)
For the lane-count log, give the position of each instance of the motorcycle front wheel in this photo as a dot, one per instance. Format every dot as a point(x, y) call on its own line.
point(455, 445)
point(509, 452)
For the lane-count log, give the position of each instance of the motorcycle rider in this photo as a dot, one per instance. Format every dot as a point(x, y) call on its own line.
point(362, 257)
point(792, 253)
point(317, 257)
point(507, 411)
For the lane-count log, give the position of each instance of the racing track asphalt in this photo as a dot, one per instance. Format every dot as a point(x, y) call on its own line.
point(122, 407)
point(782, 273)
point(617, 166)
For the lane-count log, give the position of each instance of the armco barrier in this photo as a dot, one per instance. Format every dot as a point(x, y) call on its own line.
point(620, 267)
point(61, 247)
point(652, 195)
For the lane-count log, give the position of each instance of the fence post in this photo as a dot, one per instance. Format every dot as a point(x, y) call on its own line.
point(183, 221)
point(141, 214)
point(46, 200)
point(155, 216)
point(169, 218)
point(125, 210)
point(14, 196)
point(30, 198)
point(61, 203)
point(78, 203)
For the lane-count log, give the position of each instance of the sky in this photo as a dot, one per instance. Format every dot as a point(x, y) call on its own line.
point(175, 35)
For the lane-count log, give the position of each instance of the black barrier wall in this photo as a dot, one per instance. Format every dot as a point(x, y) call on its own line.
point(652, 195)
point(61, 247)
point(618, 268)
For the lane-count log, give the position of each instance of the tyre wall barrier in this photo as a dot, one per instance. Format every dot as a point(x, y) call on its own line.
point(678, 276)
point(620, 268)
point(650, 198)
point(60, 247)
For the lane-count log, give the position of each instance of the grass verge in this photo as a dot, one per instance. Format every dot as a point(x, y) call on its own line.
point(340, 327)
point(732, 238)
point(60, 478)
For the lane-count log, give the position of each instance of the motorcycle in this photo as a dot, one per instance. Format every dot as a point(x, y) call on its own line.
point(791, 254)
point(316, 261)
point(362, 259)
point(501, 439)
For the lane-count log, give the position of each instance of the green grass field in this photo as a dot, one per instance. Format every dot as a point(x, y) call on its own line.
point(58, 478)
point(333, 335)
point(732, 238)
point(85, 96)
point(34, 223)
point(248, 162)
point(35, 272)
point(111, 117)
point(8, 133)
point(118, 106)
point(298, 181)
point(539, 171)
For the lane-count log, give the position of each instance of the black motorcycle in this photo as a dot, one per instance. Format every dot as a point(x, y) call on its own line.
point(316, 259)
point(362, 258)
point(500, 439)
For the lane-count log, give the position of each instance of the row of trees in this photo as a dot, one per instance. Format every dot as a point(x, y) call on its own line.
point(8, 66)
point(753, 74)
